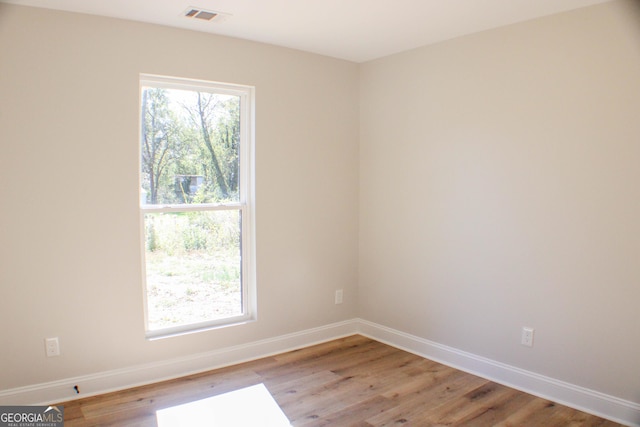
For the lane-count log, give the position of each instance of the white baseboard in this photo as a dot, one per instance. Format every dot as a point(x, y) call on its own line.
point(104, 382)
point(590, 401)
point(583, 399)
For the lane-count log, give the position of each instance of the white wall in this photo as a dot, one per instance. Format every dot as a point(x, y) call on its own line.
point(500, 188)
point(69, 233)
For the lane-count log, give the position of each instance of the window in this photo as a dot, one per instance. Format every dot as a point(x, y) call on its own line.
point(196, 188)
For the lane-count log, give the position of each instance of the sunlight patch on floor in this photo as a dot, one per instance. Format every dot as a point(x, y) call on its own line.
point(251, 406)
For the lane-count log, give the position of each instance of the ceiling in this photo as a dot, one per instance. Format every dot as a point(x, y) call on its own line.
point(355, 30)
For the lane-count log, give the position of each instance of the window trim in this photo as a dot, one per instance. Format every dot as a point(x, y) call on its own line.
point(245, 205)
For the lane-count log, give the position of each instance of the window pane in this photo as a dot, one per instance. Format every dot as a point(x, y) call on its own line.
point(190, 145)
point(193, 267)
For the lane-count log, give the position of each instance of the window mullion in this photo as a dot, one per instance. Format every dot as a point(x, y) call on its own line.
point(189, 208)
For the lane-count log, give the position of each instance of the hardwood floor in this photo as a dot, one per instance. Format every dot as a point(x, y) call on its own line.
point(353, 381)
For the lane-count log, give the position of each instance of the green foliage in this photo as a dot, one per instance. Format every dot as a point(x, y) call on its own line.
point(185, 232)
point(151, 236)
point(185, 136)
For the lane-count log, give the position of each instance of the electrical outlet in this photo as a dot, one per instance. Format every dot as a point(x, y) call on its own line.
point(527, 336)
point(52, 347)
point(339, 294)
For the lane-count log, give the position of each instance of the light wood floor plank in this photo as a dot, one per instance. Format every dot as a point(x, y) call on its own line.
point(353, 381)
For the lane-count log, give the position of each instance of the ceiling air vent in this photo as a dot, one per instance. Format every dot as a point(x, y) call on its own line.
point(198, 13)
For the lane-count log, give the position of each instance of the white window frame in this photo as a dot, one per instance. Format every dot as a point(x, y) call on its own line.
point(245, 205)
